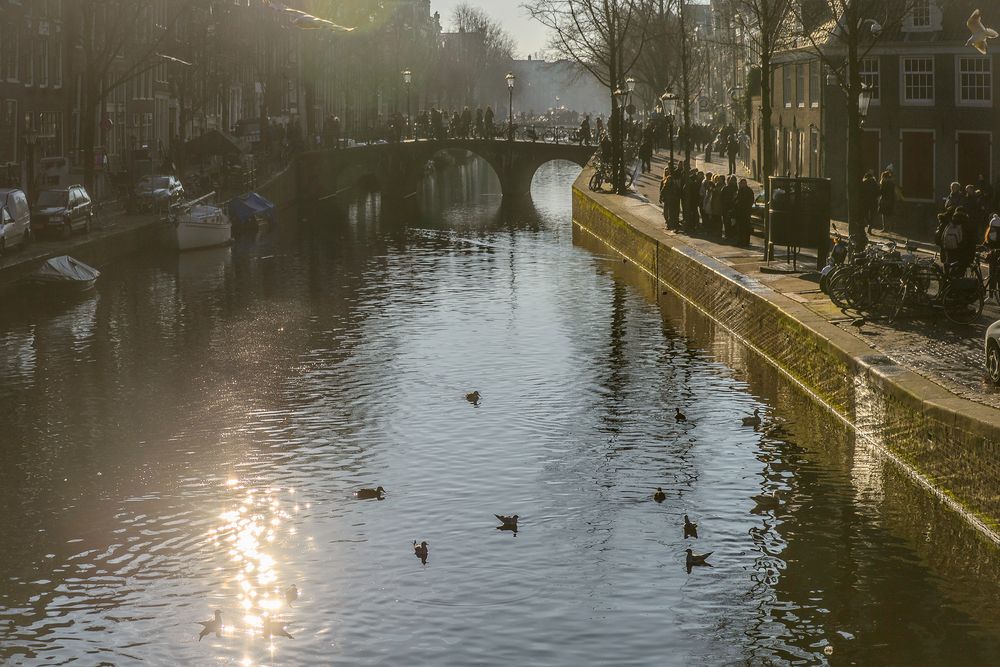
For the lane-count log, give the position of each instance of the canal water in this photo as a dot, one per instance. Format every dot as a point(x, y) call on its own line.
point(189, 438)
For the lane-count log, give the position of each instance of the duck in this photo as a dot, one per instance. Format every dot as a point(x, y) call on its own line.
point(766, 501)
point(420, 551)
point(291, 594)
point(273, 628)
point(697, 560)
point(509, 522)
point(370, 494)
point(208, 627)
point(858, 323)
point(753, 421)
point(680, 417)
point(658, 495)
point(690, 528)
point(473, 397)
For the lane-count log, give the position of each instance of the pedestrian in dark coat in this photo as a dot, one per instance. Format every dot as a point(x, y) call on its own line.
point(744, 210)
point(887, 199)
point(869, 199)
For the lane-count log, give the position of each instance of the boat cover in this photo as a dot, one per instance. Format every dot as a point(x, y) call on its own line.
point(244, 207)
point(66, 269)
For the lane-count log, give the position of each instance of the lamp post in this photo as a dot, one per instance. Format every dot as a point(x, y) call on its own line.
point(407, 80)
point(510, 108)
point(669, 106)
point(30, 139)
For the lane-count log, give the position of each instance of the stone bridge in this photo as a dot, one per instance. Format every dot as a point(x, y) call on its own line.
point(399, 168)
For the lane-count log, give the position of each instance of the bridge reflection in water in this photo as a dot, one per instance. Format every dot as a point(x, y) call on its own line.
point(399, 168)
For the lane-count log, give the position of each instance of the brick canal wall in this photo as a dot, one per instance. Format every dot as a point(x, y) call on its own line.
point(949, 444)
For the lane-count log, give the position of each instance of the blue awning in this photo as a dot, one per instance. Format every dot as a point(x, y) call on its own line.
point(245, 207)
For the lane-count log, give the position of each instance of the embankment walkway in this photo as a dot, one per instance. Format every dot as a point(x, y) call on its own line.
point(916, 389)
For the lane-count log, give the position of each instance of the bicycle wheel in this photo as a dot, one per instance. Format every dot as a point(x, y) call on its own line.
point(596, 182)
point(843, 288)
point(962, 300)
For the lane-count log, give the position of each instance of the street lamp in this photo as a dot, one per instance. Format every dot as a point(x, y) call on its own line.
point(30, 139)
point(407, 80)
point(865, 101)
point(510, 109)
point(669, 106)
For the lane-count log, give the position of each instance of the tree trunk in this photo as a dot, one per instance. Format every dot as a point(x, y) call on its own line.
point(685, 82)
point(89, 108)
point(855, 164)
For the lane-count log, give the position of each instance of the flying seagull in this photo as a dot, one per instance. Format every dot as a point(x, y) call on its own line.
point(980, 34)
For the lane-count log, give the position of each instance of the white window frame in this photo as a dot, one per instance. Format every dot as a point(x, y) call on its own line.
point(917, 102)
point(11, 47)
point(869, 74)
point(815, 76)
point(988, 77)
point(902, 165)
point(922, 6)
point(801, 82)
point(786, 85)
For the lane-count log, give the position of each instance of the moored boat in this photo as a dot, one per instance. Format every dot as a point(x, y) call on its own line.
point(65, 273)
point(197, 224)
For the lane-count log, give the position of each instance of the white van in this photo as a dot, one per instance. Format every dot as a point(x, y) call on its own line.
point(15, 227)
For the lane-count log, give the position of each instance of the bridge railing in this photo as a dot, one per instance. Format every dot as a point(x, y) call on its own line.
point(501, 132)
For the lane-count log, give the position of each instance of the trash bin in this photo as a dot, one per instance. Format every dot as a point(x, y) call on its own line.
point(799, 212)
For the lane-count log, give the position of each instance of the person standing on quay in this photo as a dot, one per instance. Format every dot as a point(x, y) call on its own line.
point(733, 149)
point(744, 209)
point(869, 200)
point(887, 199)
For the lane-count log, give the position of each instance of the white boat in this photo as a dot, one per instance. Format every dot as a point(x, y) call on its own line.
point(65, 273)
point(197, 224)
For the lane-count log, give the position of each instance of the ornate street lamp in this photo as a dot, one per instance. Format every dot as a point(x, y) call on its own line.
point(669, 101)
point(865, 101)
point(510, 109)
point(407, 80)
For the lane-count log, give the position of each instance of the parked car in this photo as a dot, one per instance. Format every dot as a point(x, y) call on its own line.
point(993, 352)
point(15, 219)
point(158, 192)
point(62, 210)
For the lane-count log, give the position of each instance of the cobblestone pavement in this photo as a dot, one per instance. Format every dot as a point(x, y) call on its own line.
point(946, 354)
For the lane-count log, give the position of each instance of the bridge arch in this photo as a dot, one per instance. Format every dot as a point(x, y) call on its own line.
point(399, 168)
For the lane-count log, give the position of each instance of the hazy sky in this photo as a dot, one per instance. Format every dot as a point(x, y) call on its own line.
point(530, 35)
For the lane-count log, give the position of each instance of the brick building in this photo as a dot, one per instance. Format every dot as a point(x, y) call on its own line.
point(932, 119)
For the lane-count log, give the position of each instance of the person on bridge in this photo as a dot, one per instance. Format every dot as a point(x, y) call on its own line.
point(466, 122)
point(488, 123)
point(479, 123)
point(584, 136)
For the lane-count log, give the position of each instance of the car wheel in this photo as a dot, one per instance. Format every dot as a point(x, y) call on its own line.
point(993, 361)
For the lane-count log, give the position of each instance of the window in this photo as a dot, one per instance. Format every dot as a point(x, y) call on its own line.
point(786, 87)
point(800, 85)
point(815, 69)
point(42, 62)
point(10, 51)
point(57, 74)
point(918, 80)
point(29, 62)
point(975, 85)
point(921, 15)
point(871, 77)
point(8, 131)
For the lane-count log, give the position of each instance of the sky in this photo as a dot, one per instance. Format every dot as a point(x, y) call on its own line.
point(530, 35)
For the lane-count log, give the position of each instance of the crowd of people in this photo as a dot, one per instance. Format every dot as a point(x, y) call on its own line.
point(970, 218)
point(717, 205)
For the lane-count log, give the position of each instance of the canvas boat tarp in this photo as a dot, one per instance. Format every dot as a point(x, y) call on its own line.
point(245, 207)
point(65, 269)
